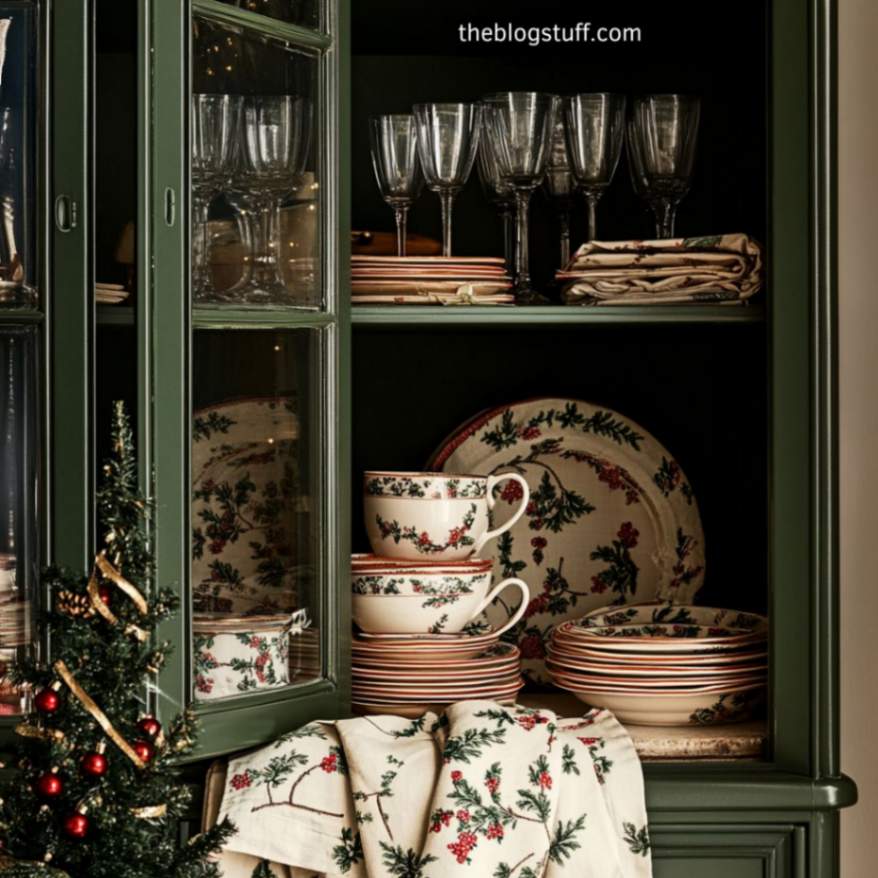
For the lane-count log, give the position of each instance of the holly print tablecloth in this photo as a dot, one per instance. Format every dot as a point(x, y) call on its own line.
point(483, 790)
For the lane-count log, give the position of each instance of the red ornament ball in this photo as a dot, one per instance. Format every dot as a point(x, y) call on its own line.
point(144, 750)
point(47, 701)
point(105, 592)
point(94, 764)
point(150, 726)
point(49, 786)
point(76, 826)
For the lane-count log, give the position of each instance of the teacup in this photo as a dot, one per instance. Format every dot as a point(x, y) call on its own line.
point(435, 516)
point(431, 599)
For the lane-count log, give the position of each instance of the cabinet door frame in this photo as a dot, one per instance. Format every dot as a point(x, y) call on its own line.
point(168, 322)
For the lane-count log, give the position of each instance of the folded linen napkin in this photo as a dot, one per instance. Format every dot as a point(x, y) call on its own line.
point(481, 790)
point(720, 268)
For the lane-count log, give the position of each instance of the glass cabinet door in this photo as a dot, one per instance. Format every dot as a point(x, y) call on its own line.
point(248, 377)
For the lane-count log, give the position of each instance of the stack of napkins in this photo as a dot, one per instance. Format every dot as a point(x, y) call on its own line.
point(430, 280)
point(719, 268)
point(110, 294)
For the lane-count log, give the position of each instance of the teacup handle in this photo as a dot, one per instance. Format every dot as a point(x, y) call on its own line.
point(493, 481)
point(521, 585)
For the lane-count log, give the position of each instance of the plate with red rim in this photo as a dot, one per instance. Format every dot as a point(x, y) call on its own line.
point(659, 613)
point(377, 564)
point(657, 642)
point(651, 683)
point(500, 682)
point(573, 686)
point(611, 517)
point(410, 711)
point(636, 659)
point(494, 655)
point(663, 672)
point(427, 693)
point(432, 678)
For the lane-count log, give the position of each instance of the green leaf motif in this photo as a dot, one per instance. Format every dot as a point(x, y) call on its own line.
point(349, 852)
point(636, 839)
point(564, 842)
point(405, 864)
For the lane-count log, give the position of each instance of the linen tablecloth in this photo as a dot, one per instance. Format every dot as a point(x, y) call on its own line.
point(718, 268)
point(483, 790)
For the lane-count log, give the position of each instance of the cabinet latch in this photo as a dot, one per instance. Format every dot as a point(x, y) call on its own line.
point(66, 211)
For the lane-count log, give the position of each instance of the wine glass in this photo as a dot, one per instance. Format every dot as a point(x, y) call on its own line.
point(499, 192)
point(275, 142)
point(214, 141)
point(520, 126)
point(448, 137)
point(664, 131)
point(560, 185)
point(394, 141)
point(638, 178)
point(595, 126)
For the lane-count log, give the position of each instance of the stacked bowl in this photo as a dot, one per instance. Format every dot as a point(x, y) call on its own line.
point(664, 664)
point(419, 600)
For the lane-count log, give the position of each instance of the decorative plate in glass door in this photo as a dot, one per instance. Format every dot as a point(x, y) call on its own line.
point(611, 519)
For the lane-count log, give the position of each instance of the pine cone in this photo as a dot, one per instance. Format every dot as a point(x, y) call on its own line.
point(73, 604)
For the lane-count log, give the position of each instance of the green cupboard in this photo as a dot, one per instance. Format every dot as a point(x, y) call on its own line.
point(124, 110)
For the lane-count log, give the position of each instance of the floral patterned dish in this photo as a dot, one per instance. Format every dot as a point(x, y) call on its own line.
point(611, 514)
point(482, 656)
point(673, 614)
point(239, 655)
point(563, 660)
point(674, 708)
point(650, 640)
point(666, 684)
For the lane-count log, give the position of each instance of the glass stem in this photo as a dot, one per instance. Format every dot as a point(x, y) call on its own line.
point(201, 245)
point(564, 222)
point(522, 235)
point(401, 214)
point(508, 236)
point(591, 201)
point(667, 217)
point(446, 198)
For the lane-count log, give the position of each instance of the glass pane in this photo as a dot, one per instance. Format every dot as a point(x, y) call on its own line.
point(255, 171)
point(19, 456)
point(305, 13)
point(18, 154)
point(255, 516)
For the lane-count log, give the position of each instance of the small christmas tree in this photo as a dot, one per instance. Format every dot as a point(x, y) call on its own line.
point(95, 794)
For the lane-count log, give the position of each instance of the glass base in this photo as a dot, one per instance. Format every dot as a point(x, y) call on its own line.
point(527, 295)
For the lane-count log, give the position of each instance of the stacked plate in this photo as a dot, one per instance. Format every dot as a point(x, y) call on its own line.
point(430, 280)
point(110, 294)
point(664, 665)
point(407, 676)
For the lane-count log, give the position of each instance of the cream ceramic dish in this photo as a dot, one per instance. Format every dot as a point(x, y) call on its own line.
point(434, 516)
point(675, 708)
point(649, 684)
point(656, 660)
point(649, 640)
point(674, 614)
point(433, 610)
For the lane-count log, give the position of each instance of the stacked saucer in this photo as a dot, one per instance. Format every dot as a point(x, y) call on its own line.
point(430, 280)
point(664, 665)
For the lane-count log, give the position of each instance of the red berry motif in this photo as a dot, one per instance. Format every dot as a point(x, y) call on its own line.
point(144, 750)
point(76, 826)
point(150, 726)
point(105, 592)
point(49, 786)
point(47, 701)
point(94, 764)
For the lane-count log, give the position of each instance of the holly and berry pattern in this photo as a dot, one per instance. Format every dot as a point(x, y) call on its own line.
point(227, 664)
point(611, 517)
point(505, 792)
point(458, 537)
point(246, 495)
point(425, 488)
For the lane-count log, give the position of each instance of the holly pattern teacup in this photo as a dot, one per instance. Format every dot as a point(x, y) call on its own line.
point(436, 516)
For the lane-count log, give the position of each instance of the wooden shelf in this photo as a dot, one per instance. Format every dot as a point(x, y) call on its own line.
point(670, 744)
point(552, 315)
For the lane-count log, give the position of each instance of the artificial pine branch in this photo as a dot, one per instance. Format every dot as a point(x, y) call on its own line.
point(112, 666)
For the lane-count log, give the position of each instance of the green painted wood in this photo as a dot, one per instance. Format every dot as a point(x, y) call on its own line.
point(71, 284)
point(537, 317)
point(23, 317)
point(265, 318)
point(233, 16)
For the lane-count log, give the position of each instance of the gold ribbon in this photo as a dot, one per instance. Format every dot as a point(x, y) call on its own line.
point(29, 731)
point(99, 716)
point(108, 571)
point(150, 812)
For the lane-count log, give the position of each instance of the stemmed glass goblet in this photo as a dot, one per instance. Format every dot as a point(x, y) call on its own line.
point(520, 126)
point(394, 141)
point(214, 142)
point(664, 137)
point(595, 127)
point(560, 186)
point(448, 137)
point(275, 142)
point(499, 192)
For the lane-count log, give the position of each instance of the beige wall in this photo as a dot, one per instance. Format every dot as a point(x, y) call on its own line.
point(858, 295)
